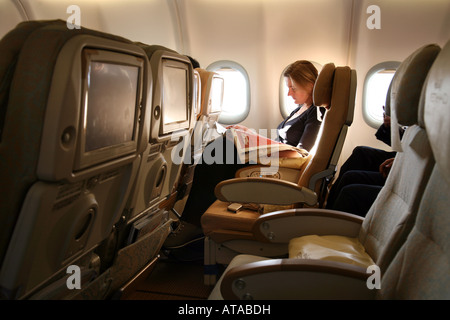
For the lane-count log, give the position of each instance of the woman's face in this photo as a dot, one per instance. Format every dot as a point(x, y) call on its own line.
point(298, 93)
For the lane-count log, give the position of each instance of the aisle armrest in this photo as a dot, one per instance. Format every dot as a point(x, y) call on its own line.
point(282, 226)
point(264, 190)
point(296, 279)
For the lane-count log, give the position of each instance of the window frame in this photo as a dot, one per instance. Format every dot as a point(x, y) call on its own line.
point(385, 65)
point(228, 118)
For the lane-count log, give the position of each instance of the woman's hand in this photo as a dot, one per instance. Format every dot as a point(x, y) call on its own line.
point(238, 127)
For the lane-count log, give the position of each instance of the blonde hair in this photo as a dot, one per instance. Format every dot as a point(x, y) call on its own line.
point(303, 72)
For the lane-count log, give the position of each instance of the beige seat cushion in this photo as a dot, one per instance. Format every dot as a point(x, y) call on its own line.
point(331, 248)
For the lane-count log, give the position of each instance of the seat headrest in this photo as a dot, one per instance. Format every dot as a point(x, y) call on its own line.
point(151, 49)
point(406, 90)
point(205, 75)
point(408, 82)
point(437, 110)
point(324, 86)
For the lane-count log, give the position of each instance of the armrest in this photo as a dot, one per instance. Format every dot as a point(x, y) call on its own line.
point(296, 279)
point(264, 190)
point(282, 226)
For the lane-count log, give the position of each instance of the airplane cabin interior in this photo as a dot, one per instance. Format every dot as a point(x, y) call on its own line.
point(111, 110)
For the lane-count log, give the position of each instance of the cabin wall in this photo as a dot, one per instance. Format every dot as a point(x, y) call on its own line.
point(148, 21)
point(264, 36)
point(10, 15)
point(406, 25)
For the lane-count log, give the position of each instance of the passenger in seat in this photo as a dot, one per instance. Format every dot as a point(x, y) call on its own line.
point(299, 129)
point(359, 189)
point(363, 175)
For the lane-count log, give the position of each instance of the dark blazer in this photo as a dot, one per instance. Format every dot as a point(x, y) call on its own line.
point(303, 129)
point(384, 134)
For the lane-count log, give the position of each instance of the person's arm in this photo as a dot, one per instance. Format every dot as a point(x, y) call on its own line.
point(384, 131)
point(312, 127)
point(238, 127)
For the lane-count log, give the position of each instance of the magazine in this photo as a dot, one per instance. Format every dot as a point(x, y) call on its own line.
point(256, 148)
point(147, 224)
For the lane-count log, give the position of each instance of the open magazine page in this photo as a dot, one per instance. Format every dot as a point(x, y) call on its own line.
point(255, 148)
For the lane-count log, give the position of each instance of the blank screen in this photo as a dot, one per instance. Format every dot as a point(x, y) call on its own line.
point(110, 104)
point(174, 94)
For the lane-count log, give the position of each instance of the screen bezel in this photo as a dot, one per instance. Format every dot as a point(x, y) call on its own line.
point(85, 159)
point(157, 134)
point(168, 128)
point(197, 94)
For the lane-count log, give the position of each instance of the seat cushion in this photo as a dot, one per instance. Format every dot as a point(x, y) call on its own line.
point(331, 248)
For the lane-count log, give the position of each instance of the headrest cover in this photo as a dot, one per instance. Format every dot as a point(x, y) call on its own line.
point(205, 75)
point(406, 89)
point(437, 110)
point(323, 86)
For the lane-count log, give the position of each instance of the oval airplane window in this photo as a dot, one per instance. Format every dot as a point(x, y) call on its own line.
point(287, 104)
point(236, 97)
point(376, 85)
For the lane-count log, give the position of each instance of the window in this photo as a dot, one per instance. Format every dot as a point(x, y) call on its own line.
point(287, 104)
point(236, 98)
point(376, 85)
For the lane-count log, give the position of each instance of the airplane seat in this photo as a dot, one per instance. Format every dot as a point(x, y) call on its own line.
point(11, 45)
point(197, 144)
point(227, 233)
point(193, 155)
point(332, 254)
point(66, 174)
point(149, 213)
point(321, 168)
point(175, 106)
point(210, 97)
point(211, 103)
point(420, 269)
point(335, 90)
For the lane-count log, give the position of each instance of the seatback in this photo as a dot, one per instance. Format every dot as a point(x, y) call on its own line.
point(66, 174)
point(208, 102)
point(393, 213)
point(10, 46)
point(193, 155)
point(420, 270)
point(197, 138)
point(211, 104)
point(171, 124)
point(334, 90)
